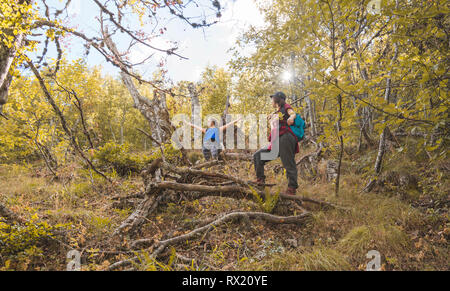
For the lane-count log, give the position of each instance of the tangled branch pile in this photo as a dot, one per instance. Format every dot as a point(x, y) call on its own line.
point(167, 183)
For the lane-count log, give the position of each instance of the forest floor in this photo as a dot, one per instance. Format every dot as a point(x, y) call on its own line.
point(409, 229)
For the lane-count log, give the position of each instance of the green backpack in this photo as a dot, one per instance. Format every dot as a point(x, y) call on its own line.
point(298, 128)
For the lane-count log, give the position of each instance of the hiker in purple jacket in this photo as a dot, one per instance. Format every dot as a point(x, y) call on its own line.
point(288, 144)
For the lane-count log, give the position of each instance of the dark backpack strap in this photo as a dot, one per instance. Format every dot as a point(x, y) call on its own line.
point(284, 112)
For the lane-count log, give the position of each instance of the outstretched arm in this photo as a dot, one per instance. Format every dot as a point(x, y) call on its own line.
point(230, 124)
point(196, 127)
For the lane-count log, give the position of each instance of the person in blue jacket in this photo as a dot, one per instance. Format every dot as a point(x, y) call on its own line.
point(212, 145)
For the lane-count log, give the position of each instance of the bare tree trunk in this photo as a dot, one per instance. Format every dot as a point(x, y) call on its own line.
point(157, 115)
point(50, 161)
point(79, 106)
point(366, 127)
point(122, 125)
point(227, 109)
point(314, 112)
point(195, 102)
point(112, 131)
point(123, 119)
point(341, 141)
point(7, 56)
point(311, 117)
point(387, 95)
point(155, 110)
point(237, 132)
point(195, 114)
point(121, 134)
point(339, 99)
point(364, 115)
point(63, 121)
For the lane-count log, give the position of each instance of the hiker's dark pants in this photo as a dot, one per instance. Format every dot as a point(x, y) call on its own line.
point(288, 144)
point(208, 154)
point(211, 150)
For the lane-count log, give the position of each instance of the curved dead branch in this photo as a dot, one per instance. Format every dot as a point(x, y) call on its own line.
point(145, 208)
point(300, 219)
point(162, 245)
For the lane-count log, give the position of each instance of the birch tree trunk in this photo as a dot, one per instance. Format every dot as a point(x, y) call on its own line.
point(311, 117)
point(341, 142)
point(365, 116)
point(227, 109)
point(382, 145)
point(195, 114)
point(157, 115)
point(387, 97)
point(154, 110)
point(7, 56)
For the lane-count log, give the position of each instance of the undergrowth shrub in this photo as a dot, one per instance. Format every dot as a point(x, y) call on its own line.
point(81, 189)
point(99, 225)
point(267, 203)
point(195, 157)
point(19, 242)
point(171, 154)
point(118, 158)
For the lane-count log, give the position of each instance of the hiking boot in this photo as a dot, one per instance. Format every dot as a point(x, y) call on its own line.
point(291, 191)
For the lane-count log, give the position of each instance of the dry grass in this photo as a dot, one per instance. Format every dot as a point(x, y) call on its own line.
point(317, 258)
point(408, 238)
point(84, 208)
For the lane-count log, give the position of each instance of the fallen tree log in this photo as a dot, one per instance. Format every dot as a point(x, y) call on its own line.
point(235, 191)
point(229, 191)
point(188, 171)
point(238, 189)
point(229, 179)
point(307, 165)
point(308, 157)
point(145, 208)
point(155, 190)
